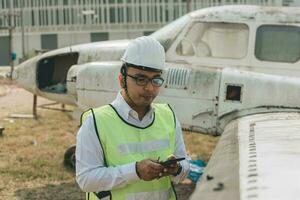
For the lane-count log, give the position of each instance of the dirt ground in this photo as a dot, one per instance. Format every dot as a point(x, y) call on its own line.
point(31, 151)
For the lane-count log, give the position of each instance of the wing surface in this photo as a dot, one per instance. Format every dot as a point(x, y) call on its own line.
point(257, 158)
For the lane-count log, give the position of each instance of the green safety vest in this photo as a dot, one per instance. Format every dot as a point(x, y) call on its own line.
point(124, 143)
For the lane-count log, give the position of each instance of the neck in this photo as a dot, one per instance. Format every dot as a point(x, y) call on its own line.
point(141, 110)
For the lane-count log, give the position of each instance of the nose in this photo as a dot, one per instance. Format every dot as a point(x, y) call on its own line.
point(149, 86)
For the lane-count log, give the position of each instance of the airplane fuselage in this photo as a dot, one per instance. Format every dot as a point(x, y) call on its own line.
point(199, 48)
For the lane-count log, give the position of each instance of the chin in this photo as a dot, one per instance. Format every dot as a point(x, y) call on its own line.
point(146, 103)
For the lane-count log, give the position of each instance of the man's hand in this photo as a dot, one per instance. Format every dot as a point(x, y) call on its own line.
point(170, 170)
point(148, 169)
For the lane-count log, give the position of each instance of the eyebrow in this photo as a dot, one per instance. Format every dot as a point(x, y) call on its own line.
point(144, 76)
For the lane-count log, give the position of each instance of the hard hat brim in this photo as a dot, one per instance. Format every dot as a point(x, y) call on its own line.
point(143, 67)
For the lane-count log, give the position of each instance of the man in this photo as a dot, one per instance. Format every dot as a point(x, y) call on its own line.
point(121, 146)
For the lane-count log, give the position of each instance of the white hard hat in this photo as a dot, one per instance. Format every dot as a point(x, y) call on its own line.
point(146, 52)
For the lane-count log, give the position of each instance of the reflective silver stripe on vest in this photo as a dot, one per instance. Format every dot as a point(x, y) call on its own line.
point(157, 195)
point(143, 147)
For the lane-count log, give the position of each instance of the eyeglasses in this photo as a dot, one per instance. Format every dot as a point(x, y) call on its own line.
point(143, 81)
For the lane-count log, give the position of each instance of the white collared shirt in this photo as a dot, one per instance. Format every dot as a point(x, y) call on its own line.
point(92, 175)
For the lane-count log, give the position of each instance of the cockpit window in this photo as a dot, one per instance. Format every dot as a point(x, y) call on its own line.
point(215, 39)
point(167, 34)
point(278, 43)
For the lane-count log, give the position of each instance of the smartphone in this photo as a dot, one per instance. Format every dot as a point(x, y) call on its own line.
point(167, 163)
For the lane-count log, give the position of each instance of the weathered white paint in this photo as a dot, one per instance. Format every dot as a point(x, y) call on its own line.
point(205, 81)
point(276, 154)
point(252, 17)
point(242, 13)
point(257, 157)
point(200, 102)
point(25, 74)
point(260, 93)
point(97, 90)
point(124, 35)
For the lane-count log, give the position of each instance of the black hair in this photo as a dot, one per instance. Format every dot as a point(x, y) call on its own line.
point(123, 71)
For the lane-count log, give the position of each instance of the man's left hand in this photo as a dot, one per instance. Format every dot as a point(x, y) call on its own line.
point(170, 170)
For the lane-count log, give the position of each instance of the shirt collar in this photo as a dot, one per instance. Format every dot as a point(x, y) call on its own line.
point(125, 111)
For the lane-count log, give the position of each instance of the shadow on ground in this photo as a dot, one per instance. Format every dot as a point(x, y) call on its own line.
point(184, 191)
point(64, 191)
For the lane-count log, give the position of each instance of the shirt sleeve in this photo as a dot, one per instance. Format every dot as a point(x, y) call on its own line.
point(180, 152)
point(91, 173)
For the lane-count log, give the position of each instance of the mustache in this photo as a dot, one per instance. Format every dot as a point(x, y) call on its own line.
point(148, 95)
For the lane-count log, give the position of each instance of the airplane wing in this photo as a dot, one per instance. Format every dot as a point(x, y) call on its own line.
point(257, 157)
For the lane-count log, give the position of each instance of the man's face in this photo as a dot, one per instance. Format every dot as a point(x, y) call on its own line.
point(141, 95)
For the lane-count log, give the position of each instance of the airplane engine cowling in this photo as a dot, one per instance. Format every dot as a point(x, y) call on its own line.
point(97, 84)
point(72, 79)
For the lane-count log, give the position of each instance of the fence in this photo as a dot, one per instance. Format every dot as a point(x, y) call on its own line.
point(109, 15)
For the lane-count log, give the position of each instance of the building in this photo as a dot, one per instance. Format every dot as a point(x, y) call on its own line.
point(51, 24)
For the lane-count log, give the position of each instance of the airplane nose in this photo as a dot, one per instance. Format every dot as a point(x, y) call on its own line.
point(25, 75)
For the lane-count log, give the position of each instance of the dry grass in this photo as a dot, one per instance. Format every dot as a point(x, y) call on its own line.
point(31, 156)
point(5, 84)
point(6, 81)
point(200, 146)
point(35, 146)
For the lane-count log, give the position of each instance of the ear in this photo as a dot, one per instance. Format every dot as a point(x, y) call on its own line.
point(121, 81)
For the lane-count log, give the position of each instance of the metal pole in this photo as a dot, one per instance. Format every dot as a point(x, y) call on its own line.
point(10, 29)
point(63, 107)
point(22, 29)
point(34, 106)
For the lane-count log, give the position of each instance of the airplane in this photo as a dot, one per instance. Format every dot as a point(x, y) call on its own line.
point(231, 71)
